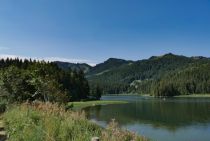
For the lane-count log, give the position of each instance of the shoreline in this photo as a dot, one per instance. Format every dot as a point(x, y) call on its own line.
point(194, 96)
point(178, 96)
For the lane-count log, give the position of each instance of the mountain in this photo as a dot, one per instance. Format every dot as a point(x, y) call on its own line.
point(168, 74)
point(73, 66)
point(109, 65)
point(118, 76)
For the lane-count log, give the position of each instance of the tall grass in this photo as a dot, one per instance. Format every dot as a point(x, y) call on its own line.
point(50, 122)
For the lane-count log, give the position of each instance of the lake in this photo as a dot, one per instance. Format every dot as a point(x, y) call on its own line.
point(174, 119)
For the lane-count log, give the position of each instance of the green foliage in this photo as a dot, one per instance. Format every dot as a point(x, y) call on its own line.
point(14, 84)
point(165, 90)
point(30, 80)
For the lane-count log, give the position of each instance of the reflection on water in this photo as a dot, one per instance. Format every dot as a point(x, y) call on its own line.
point(171, 119)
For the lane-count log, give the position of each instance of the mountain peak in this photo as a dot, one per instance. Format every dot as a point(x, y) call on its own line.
point(75, 66)
point(108, 65)
point(163, 56)
point(170, 54)
point(115, 60)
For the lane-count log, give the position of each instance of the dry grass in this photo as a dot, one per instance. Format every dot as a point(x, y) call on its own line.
point(115, 133)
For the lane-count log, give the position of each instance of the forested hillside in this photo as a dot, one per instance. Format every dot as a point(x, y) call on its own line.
point(107, 66)
point(152, 75)
point(194, 79)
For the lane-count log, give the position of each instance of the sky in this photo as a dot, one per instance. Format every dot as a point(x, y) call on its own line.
point(92, 31)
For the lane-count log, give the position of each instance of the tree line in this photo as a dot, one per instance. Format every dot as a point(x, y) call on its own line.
point(29, 80)
point(193, 79)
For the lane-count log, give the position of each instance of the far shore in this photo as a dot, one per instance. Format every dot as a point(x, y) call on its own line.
point(129, 94)
point(194, 96)
point(179, 96)
point(85, 104)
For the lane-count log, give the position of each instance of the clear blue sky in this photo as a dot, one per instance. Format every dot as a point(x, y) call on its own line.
point(94, 30)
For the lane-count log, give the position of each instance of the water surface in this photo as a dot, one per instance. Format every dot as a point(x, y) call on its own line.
point(175, 119)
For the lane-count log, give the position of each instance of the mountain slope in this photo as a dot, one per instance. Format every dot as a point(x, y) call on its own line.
point(148, 75)
point(116, 76)
point(107, 66)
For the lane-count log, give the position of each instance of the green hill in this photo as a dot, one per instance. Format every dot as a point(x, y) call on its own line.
point(107, 66)
point(118, 76)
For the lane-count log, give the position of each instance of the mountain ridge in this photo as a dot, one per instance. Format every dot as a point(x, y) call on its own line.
point(66, 65)
point(74, 66)
point(119, 76)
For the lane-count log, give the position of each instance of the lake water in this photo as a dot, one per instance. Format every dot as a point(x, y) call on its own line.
point(175, 119)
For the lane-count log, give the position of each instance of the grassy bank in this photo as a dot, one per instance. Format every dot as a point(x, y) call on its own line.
point(130, 94)
point(80, 105)
point(122, 94)
point(50, 122)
